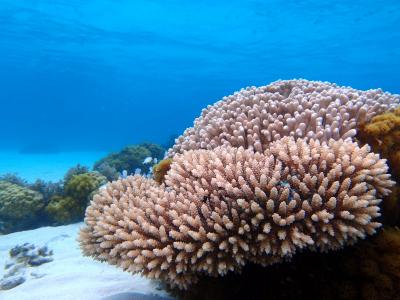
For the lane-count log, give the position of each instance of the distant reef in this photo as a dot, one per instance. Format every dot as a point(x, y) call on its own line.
point(25, 205)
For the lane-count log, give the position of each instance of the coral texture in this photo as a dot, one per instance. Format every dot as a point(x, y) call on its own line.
point(369, 270)
point(222, 208)
point(65, 209)
point(254, 117)
point(70, 206)
point(18, 206)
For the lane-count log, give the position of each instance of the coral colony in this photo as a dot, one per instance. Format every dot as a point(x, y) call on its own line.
point(262, 174)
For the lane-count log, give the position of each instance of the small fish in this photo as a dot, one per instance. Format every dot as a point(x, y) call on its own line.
point(147, 160)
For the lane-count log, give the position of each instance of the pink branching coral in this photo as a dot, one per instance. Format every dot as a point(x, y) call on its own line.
point(221, 208)
point(254, 117)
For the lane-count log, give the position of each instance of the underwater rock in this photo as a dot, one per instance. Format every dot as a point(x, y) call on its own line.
point(22, 258)
point(11, 282)
point(30, 255)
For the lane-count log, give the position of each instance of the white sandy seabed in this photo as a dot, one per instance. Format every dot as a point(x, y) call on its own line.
point(71, 275)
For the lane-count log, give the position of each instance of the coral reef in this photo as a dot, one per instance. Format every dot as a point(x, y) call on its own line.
point(81, 186)
point(369, 270)
point(23, 257)
point(47, 189)
point(65, 209)
point(262, 174)
point(77, 170)
point(70, 206)
point(131, 158)
point(254, 117)
point(108, 171)
point(382, 133)
point(19, 206)
point(222, 208)
point(161, 169)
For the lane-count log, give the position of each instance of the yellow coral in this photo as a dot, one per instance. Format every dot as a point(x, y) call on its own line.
point(382, 133)
point(161, 169)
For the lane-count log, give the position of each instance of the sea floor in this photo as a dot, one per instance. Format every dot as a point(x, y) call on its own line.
point(48, 167)
point(71, 275)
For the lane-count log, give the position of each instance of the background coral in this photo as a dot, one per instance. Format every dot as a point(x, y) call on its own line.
point(70, 206)
point(65, 209)
point(130, 158)
point(254, 117)
point(108, 171)
point(77, 170)
point(222, 208)
point(81, 186)
point(19, 206)
point(382, 133)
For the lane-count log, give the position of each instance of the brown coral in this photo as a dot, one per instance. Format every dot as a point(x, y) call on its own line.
point(221, 208)
point(161, 169)
point(254, 117)
point(382, 133)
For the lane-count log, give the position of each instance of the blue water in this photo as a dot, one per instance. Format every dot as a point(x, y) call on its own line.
point(96, 75)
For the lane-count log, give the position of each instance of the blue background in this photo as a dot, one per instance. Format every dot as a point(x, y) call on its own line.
point(84, 75)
